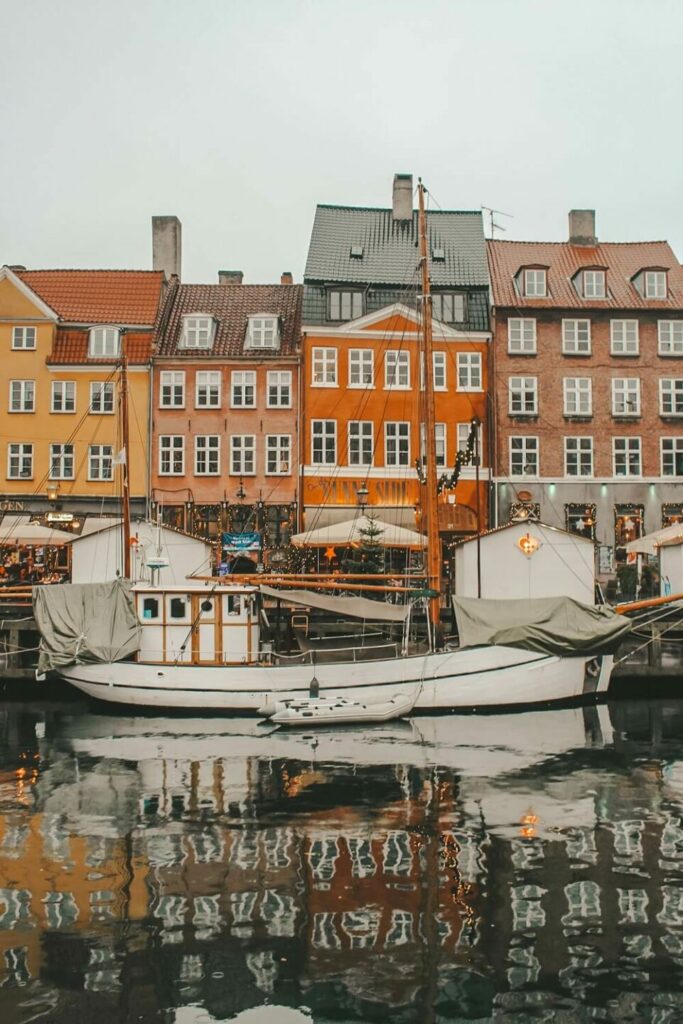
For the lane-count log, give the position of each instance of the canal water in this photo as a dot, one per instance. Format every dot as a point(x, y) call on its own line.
point(506, 868)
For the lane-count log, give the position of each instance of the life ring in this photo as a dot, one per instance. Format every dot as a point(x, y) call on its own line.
point(593, 668)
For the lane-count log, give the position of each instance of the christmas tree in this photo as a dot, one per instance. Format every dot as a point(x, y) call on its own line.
point(368, 557)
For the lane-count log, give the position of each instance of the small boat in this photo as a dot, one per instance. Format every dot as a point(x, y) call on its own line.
point(325, 711)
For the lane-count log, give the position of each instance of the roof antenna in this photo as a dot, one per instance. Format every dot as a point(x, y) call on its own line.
point(493, 226)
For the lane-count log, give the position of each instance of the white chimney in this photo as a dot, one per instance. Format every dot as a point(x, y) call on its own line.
point(167, 245)
point(230, 276)
point(582, 227)
point(403, 197)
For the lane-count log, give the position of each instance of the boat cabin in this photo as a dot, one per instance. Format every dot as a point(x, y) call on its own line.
point(198, 625)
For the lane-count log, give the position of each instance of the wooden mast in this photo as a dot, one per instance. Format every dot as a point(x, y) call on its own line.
point(125, 481)
point(430, 483)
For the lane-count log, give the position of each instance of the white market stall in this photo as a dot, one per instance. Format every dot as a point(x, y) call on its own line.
point(351, 532)
point(97, 555)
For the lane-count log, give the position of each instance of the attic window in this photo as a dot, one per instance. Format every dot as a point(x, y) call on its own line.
point(357, 252)
point(655, 284)
point(439, 255)
point(263, 332)
point(104, 341)
point(535, 283)
point(197, 332)
point(594, 284)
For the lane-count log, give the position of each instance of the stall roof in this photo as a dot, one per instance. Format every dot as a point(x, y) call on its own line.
point(349, 532)
point(18, 530)
point(651, 542)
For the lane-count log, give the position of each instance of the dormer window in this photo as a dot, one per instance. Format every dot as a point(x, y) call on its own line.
point(345, 304)
point(439, 255)
point(449, 307)
point(356, 252)
point(105, 342)
point(197, 332)
point(535, 283)
point(655, 284)
point(263, 332)
point(594, 284)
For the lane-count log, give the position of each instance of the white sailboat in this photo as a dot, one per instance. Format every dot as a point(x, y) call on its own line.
point(209, 645)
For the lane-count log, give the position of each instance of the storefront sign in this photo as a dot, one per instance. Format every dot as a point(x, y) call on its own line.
point(241, 543)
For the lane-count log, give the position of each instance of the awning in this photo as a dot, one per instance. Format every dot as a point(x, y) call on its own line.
point(349, 532)
point(651, 542)
point(351, 607)
point(16, 531)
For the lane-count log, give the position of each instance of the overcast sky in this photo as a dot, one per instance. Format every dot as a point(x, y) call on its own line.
point(240, 115)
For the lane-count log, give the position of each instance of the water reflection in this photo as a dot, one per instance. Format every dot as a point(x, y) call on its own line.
point(501, 868)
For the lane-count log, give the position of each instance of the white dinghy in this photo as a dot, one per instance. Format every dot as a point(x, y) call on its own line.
point(326, 711)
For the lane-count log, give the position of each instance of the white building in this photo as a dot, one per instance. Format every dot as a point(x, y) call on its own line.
point(671, 567)
point(98, 556)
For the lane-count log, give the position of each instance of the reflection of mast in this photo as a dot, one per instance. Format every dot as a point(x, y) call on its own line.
point(125, 482)
point(430, 503)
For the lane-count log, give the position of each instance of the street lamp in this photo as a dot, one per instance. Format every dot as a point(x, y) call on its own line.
point(362, 496)
point(52, 493)
point(241, 493)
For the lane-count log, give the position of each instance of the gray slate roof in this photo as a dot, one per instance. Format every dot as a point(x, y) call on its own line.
point(390, 248)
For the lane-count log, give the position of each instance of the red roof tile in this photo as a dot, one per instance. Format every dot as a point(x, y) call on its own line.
point(99, 296)
point(622, 261)
point(71, 347)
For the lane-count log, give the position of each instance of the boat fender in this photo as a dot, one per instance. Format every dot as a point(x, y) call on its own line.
point(593, 668)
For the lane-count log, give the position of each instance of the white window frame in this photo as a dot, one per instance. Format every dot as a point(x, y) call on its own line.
point(361, 365)
point(594, 284)
point(104, 342)
point(173, 383)
point(240, 383)
point(101, 456)
point(671, 446)
point(242, 452)
point(449, 307)
point(397, 370)
point(263, 331)
point(523, 391)
point(323, 431)
point(576, 337)
point(578, 396)
point(26, 396)
point(324, 360)
point(655, 284)
point(628, 388)
point(99, 390)
point(622, 449)
point(439, 371)
point(277, 382)
point(530, 446)
point(22, 453)
point(207, 449)
point(670, 337)
point(579, 445)
point(21, 336)
point(365, 432)
point(469, 370)
point(63, 457)
point(208, 381)
point(278, 446)
point(440, 442)
point(174, 453)
point(536, 283)
point(343, 301)
point(198, 331)
point(397, 432)
point(462, 434)
point(522, 335)
point(63, 392)
point(671, 393)
point(621, 344)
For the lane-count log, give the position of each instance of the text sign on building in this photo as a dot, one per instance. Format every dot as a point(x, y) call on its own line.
point(241, 543)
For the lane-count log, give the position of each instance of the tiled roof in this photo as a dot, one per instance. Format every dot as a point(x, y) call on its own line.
point(390, 247)
point(622, 261)
point(71, 347)
point(99, 296)
point(230, 305)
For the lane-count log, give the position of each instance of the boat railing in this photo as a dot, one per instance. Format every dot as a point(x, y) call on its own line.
point(345, 653)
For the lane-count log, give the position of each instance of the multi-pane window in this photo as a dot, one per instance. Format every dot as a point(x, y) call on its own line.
point(197, 332)
point(578, 396)
point(101, 397)
point(448, 307)
point(576, 337)
point(171, 455)
point(278, 454)
point(207, 454)
point(361, 442)
point(243, 454)
point(22, 396)
point(243, 389)
point(524, 456)
point(439, 370)
point(627, 457)
point(61, 462)
point(578, 456)
point(172, 389)
point(323, 442)
point(469, 371)
point(397, 369)
point(208, 389)
point(263, 332)
point(522, 335)
point(344, 304)
point(439, 444)
point(100, 465)
point(279, 384)
point(626, 396)
point(523, 396)
point(463, 436)
point(63, 396)
point(672, 456)
point(670, 334)
point(361, 368)
point(19, 461)
point(624, 337)
point(594, 284)
point(24, 337)
point(655, 284)
point(104, 342)
point(535, 283)
point(324, 367)
point(671, 396)
point(397, 444)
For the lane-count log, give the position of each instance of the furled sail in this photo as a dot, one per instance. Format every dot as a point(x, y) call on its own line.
point(551, 625)
point(85, 622)
point(353, 607)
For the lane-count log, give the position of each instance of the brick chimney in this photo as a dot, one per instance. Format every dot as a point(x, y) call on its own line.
point(230, 276)
point(167, 245)
point(286, 278)
point(582, 227)
point(403, 197)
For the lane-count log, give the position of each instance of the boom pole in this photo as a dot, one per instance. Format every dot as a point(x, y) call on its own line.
point(125, 481)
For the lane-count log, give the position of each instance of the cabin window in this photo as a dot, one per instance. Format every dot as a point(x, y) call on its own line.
point(177, 608)
point(233, 604)
point(150, 608)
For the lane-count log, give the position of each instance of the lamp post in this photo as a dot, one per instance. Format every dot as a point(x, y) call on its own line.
point(362, 494)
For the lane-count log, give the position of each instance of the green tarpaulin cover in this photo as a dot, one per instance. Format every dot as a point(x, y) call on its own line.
point(85, 622)
point(551, 625)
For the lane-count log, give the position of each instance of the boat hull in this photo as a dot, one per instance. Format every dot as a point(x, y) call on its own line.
point(475, 678)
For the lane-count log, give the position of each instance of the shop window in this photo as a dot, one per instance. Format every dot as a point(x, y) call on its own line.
point(628, 526)
point(672, 512)
point(580, 519)
point(173, 516)
point(207, 521)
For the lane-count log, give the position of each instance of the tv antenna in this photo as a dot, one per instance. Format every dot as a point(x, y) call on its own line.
point(493, 224)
